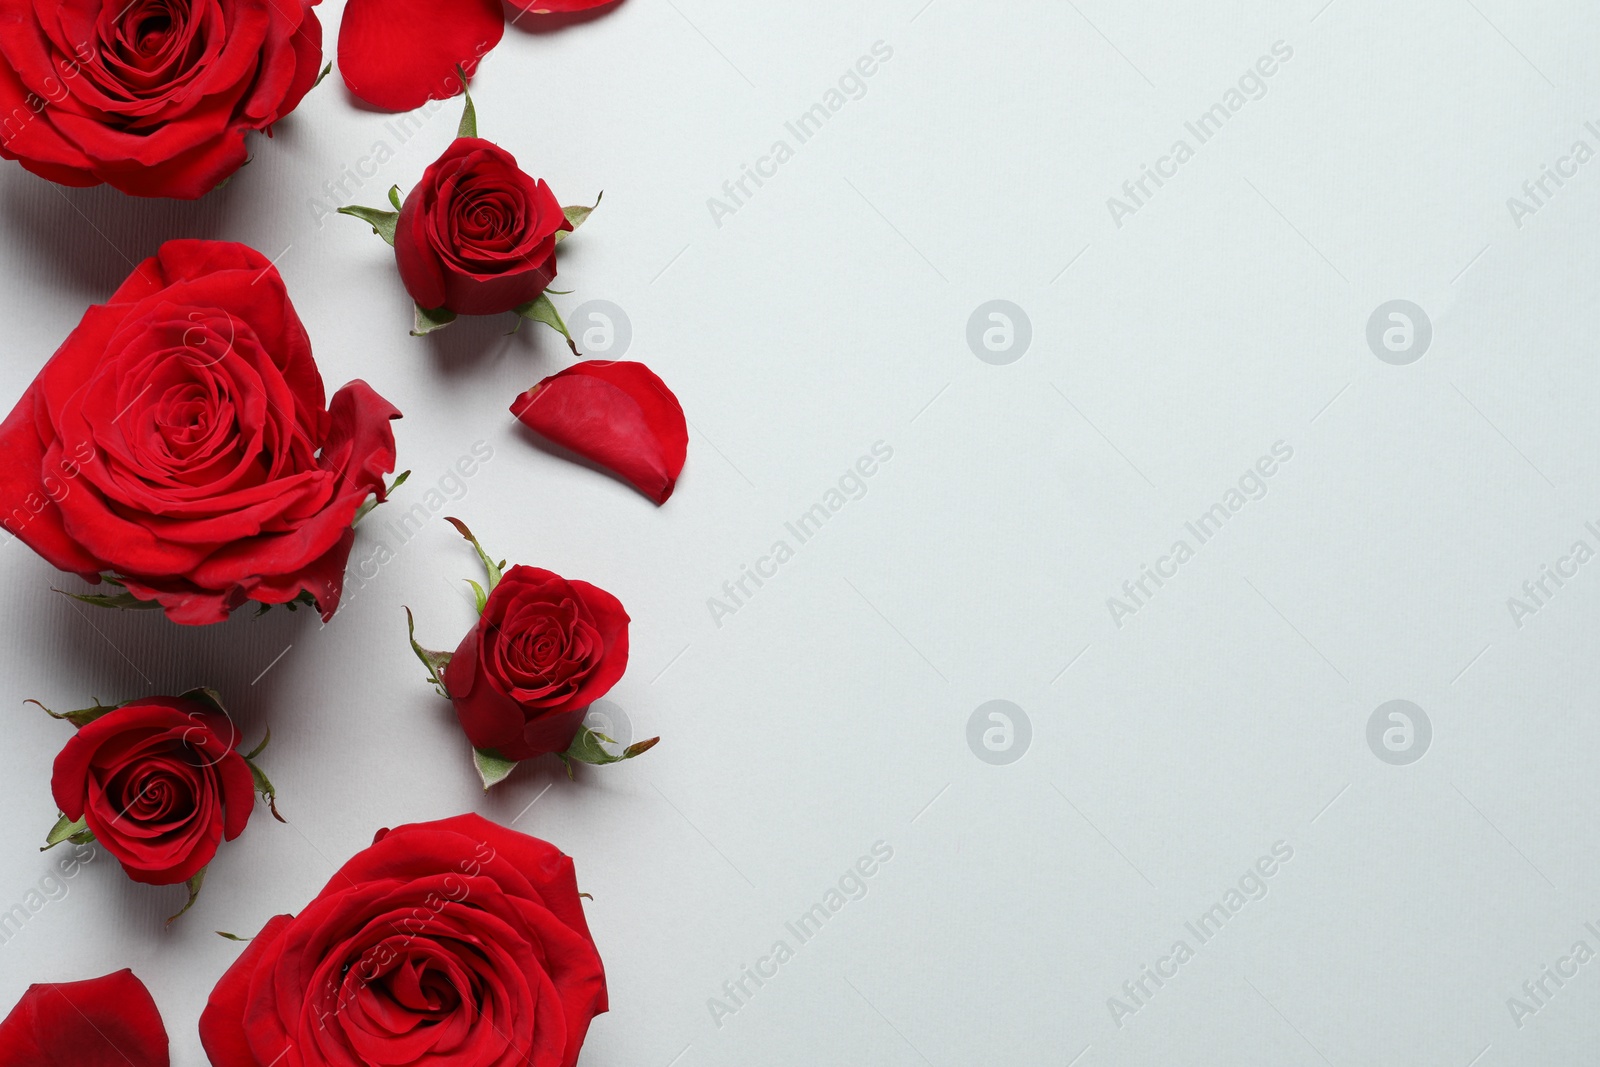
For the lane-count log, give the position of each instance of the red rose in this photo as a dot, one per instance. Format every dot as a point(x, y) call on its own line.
point(543, 650)
point(455, 941)
point(179, 440)
point(160, 783)
point(103, 1022)
point(152, 96)
point(477, 236)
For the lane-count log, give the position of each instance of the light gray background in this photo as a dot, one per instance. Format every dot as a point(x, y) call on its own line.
point(831, 711)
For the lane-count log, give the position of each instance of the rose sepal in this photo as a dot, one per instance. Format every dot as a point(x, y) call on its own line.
point(434, 661)
point(540, 309)
point(492, 769)
point(67, 830)
point(588, 746)
point(193, 886)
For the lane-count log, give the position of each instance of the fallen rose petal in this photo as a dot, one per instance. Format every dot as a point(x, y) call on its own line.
point(399, 54)
point(103, 1022)
point(616, 414)
point(558, 7)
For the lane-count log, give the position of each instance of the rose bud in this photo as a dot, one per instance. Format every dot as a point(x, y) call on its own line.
point(102, 1022)
point(180, 445)
point(543, 649)
point(477, 236)
point(615, 414)
point(159, 782)
point(449, 942)
point(152, 97)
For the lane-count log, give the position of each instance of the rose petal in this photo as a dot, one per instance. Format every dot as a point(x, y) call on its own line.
point(616, 414)
point(103, 1022)
point(399, 54)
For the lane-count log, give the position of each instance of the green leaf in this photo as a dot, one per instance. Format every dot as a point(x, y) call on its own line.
point(394, 197)
point(81, 718)
point(264, 786)
point(469, 114)
point(540, 309)
point(67, 830)
point(434, 661)
point(112, 600)
point(495, 570)
point(577, 216)
point(428, 321)
point(324, 74)
point(372, 501)
point(491, 768)
point(383, 223)
point(193, 886)
point(589, 747)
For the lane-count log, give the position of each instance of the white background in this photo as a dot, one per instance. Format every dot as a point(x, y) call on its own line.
point(830, 711)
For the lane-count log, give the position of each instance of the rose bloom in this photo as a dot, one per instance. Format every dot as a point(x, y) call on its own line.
point(477, 236)
point(103, 1022)
point(179, 439)
point(161, 783)
point(543, 650)
point(450, 942)
point(151, 96)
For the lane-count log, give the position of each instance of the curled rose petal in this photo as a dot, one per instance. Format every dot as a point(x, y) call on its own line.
point(103, 1022)
point(616, 414)
point(399, 54)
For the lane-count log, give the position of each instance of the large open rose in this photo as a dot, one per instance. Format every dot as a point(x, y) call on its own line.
point(180, 442)
point(450, 942)
point(154, 97)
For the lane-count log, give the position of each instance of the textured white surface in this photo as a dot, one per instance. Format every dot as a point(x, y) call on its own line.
point(830, 711)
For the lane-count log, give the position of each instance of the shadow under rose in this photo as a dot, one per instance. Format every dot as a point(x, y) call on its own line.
point(97, 236)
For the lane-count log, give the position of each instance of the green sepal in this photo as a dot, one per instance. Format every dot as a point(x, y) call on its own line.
point(478, 595)
point(80, 718)
point(426, 321)
point(193, 886)
point(394, 197)
point(67, 830)
point(233, 937)
point(434, 661)
point(495, 570)
point(540, 309)
point(207, 696)
point(383, 223)
point(492, 769)
point(588, 746)
point(264, 785)
point(113, 600)
point(262, 747)
point(324, 73)
point(372, 501)
point(304, 599)
point(469, 114)
point(577, 216)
